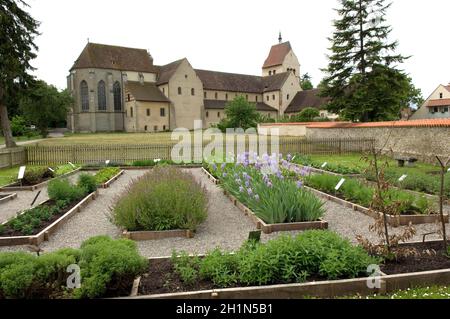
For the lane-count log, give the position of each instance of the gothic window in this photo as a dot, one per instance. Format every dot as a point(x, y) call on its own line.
point(101, 92)
point(192, 91)
point(84, 92)
point(117, 97)
point(148, 112)
point(179, 90)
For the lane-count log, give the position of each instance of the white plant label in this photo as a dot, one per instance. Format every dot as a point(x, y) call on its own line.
point(51, 169)
point(21, 172)
point(71, 164)
point(157, 160)
point(402, 178)
point(293, 158)
point(324, 164)
point(448, 170)
point(107, 162)
point(339, 185)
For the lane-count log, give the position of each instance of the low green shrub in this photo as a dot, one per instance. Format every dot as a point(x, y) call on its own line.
point(108, 267)
point(61, 189)
point(151, 163)
point(286, 259)
point(35, 175)
point(163, 199)
point(105, 174)
point(88, 183)
point(64, 169)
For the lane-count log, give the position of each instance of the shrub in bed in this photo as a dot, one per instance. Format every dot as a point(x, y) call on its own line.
point(62, 189)
point(35, 175)
point(105, 174)
point(163, 199)
point(286, 259)
point(359, 193)
point(107, 267)
point(88, 183)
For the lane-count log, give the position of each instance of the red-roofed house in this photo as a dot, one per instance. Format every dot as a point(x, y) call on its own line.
point(437, 106)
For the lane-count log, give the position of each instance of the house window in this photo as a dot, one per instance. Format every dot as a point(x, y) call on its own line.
point(185, 76)
point(148, 112)
point(101, 91)
point(146, 128)
point(204, 95)
point(435, 110)
point(164, 127)
point(179, 90)
point(117, 97)
point(440, 95)
point(226, 96)
point(84, 92)
point(207, 114)
point(155, 128)
point(267, 98)
point(218, 115)
point(128, 98)
point(274, 72)
point(446, 109)
point(273, 97)
point(162, 112)
point(131, 111)
point(164, 90)
point(256, 98)
point(246, 97)
point(270, 72)
point(287, 97)
point(216, 95)
point(192, 91)
point(268, 115)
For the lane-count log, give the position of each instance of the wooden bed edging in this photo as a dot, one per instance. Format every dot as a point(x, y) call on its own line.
point(321, 289)
point(45, 234)
point(8, 197)
point(137, 168)
point(209, 175)
point(394, 221)
point(14, 187)
point(112, 179)
point(155, 235)
point(271, 228)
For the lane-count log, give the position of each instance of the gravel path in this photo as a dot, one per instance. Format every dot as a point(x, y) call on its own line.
point(24, 200)
point(226, 226)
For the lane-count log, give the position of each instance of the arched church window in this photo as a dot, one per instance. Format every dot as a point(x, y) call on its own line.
point(117, 97)
point(101, 92)
point(84, 94)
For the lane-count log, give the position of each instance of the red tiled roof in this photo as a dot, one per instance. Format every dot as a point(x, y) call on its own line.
point(447, 87)
point(307, 98)
point(411, 123)
point(277, 54)
point(440, 102)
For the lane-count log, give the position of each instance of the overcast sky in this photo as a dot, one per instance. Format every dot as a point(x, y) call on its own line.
point(232, 35)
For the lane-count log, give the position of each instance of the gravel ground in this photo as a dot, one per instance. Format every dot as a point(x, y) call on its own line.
point(24, 200)
point(226, 226)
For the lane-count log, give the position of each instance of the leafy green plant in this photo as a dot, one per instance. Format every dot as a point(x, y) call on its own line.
point(150, 163)
point(163, 199)
point(108, 267)
point(35, 175)
point(105, 174)
point(88, 183)
point(64, 169)
point(61, 189)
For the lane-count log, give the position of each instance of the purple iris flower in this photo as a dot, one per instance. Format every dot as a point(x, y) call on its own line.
point(257, 197)
point(214, 166)
point(225, 175)
point(250, 191)
point(289, 157)
point(241, 189)
point(223, 165)
point(299, 184)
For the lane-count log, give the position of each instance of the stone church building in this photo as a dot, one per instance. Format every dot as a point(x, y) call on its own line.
point(121, 89)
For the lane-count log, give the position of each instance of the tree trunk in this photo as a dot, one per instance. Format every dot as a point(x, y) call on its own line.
point(5, 124)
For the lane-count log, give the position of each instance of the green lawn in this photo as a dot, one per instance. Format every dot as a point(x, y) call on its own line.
point(20, 139)
point(356, 161)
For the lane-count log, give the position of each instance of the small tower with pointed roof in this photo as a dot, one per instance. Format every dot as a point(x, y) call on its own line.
point(281, 59)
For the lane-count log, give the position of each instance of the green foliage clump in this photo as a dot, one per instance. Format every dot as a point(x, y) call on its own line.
point(283, 260)
point(61, 189)
point(331, 167)
point(107, 266)
point(151, 163)
point(64, 169)
point(88, 183)
point(105, 174)
point(240, 113)
point(165, 198)
point(35, 175)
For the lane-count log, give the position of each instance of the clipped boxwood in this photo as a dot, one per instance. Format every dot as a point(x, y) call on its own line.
point(166, 198)
point(108, 268)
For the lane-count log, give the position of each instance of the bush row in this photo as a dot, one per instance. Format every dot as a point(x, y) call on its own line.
point(107, 266)
point(335, 168)
point(287, 259)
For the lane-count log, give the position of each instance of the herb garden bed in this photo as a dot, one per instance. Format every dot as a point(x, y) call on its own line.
point(7, 197)
point(46, 228)
point(155, 235)
point(395, 221)
point(322, 171)
point(17, 186)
